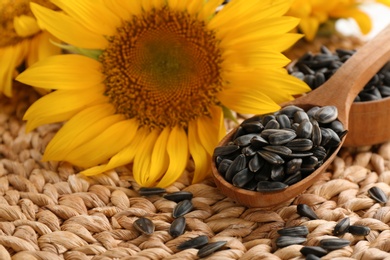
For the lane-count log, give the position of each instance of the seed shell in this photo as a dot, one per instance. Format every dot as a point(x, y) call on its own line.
point(177, 227)
point(182, 208)
point(146, 191)
point(195, 242)
point(341, 227)
point(269, 186)
point(284, 241)
point(210, 248)
point(378, 194)
point(225, 150)
point(359, 230)
point(305, 211)
point(313, 250)
point(334, 243)
point(144, 225)
point(294, 231)
point(271, 157)
point(178, 196)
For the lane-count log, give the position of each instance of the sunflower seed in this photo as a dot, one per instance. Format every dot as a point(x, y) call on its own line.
point(284, 241)
point(255, 163)
point(210, 248)
point(283, 120)
point(305, 211)
point(182, 208)
point(237, 165)
point(177, 227)
point(144, 225)
point(341, 227)
point(311, 112)
point(316, 135)
point(258, 141)
point(242, 178)
point(305, 129)
point(299, 116)
point(337, 126)
point(178, 196)
point(146, 191)
point(313, 250)
point(195, 242)
point(271, 157)
point(292, 179)
point(253, 127)
point(359, 230)
point(267, 186)
point(277, 173)
point(293, 165)
point(265, 119)
point(281, 150)
point(334, 138)
point(281, 137)
point(290, 110)
point(244, 140)
point(224, 165)
point(272, 124)
point(326, 114)
point(225, 150)
point(309, 162)
point(294, 231)
point(300, 145)
point(377, 194)
point(334, 243)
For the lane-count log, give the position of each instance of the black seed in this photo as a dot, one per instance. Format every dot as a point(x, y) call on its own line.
point(305, 211)
point(334, 243)
point(294, 231)
point(268, 186)
point(293, 178)
point(237, 165)
point(284, 121)
point(144, 225)
point(278, 149)
point(255, 163)
point(284, 241)
point(244, 140)
point(224, 166)
point(341, 227)
point(195, 242)
point(253, 127)
point(313, 250)
point(359, 230)
point(146, 191)
point(178, 196)
point(300, 145)
point(242, 178)
point(177, 227)
point(271, 157)
point(210, 248)
point(182, 208)
point(293, 165)
point(378, 194)
point(225, 150)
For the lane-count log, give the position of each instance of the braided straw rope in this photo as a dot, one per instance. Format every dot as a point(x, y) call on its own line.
point(49, 212)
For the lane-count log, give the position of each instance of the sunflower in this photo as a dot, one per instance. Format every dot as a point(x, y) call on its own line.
point(21, 40)
point(317, 13)
point(152, 79)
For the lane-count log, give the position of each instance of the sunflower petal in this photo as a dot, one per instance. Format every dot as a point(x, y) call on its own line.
point(309, 26)
point(67, 29)
point(143, 160)
point(92, 14)
point(198, 153)
point(69, 71)
point(97, 151)
point(177, 148)
point(209, 129)
point(208, 10)
point(26, 26)
point(80, 129)
point(60, 106)
point(160, 156)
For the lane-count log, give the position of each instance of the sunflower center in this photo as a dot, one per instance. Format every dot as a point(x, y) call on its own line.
point(163, 68)
point(9, 9)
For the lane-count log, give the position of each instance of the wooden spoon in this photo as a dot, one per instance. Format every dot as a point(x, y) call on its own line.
point(340, 91)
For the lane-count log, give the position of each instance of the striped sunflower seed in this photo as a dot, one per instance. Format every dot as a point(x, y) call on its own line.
point(144, 225)
point(296, 231)
point(182, 208)
point(313, 250)
point(267, 186)
point(334, 243)
point(178, 196)
point(359, 230)
point(177, 227)
point(341, 227)
point(271, 157)
point(305, 211)
point(378, 194)
point(196, 242)
point(146, 191)
point(284, 241)
point(210, 248)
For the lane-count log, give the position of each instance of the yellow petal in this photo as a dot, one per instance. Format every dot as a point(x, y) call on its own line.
point(309, 26)
point(26, 25)
point(11, 57)
point(143, 160)
point(177, 148)
point(61, 105)
point(160, 156)
point(254, 58)
point(105, 145)
point(208, 9)
point(80, 129)
point(202, 160)
point(41, 48)
point(67, 28)
point(209, 129)
point(71, 71)
point(95, 16)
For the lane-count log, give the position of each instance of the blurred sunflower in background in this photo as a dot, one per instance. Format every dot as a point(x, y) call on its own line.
point(22, 42)
point(319, 16)
point(151, 80)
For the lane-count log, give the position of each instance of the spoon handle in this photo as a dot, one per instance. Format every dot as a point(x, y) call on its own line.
point(341, 89)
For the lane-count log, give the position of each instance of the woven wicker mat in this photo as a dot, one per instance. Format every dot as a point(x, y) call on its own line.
point(48, 211)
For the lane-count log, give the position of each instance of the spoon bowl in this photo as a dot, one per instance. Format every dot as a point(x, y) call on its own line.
point(340, 91)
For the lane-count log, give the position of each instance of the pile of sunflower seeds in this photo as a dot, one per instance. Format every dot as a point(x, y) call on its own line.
point(270, 152)
point(184, 205)
point(315, 69)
